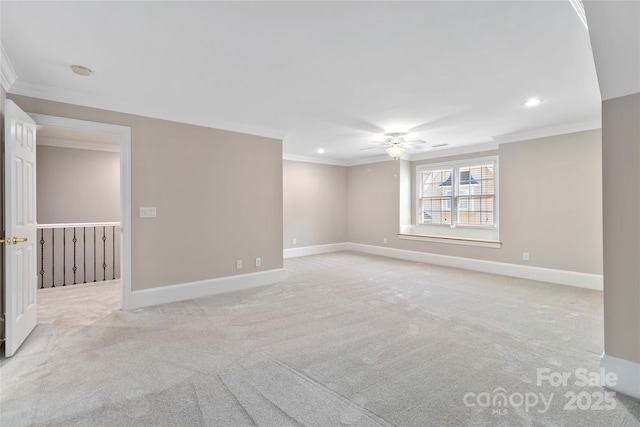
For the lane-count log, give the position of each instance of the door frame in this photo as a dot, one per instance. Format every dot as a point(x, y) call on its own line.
point(124, 135)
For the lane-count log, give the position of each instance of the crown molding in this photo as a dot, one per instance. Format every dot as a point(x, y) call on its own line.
point(7, 73)
point(78, 145)
point(507, 138)
point(548, 131)
point(155, 112)
point(454, 151)
point(369, 160)
point(318, 160)
point(335, 162)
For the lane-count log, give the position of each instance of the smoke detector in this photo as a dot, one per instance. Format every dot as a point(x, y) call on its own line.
point(81, 70)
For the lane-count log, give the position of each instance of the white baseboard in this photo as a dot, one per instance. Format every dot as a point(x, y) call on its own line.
point(185, 291)
point(570, 278)
point(314, 250)
point(628, 374)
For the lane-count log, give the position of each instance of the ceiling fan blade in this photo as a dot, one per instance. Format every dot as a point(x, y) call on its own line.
point(417, 141)
point(369, 148)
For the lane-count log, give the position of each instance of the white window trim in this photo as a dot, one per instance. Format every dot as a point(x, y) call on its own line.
point(466, 193)
point(460, 232)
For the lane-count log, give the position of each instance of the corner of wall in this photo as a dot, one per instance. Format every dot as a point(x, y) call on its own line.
point(627, 375)
point(3, 96)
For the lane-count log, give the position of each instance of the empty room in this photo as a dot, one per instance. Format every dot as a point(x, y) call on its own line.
point(318, 213)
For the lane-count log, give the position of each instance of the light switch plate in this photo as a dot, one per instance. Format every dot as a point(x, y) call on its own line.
point(147, 212)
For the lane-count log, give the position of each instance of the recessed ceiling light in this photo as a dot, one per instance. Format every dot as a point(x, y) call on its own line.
point(320, 150)
point(532, 102)
point(81, 70)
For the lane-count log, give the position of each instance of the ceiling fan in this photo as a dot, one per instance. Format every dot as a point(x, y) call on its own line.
point(396, 144)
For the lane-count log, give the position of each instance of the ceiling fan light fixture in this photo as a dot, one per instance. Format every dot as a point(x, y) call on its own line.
point(396, 134)
point(395, 151)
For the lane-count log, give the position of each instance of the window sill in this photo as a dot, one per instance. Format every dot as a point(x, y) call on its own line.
point(452, 240)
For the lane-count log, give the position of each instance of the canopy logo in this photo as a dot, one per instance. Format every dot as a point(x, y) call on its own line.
point(499, 400)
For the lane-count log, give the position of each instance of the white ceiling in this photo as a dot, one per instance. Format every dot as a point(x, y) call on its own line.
point(335, 75)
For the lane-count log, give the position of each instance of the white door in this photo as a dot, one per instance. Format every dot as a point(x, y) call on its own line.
point(20, 227)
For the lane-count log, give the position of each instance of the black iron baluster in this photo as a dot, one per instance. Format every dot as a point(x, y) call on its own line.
point(94, 254)
point(53, 257)
point(113, 250)
point(104, 253)
point(84, 253)
point(42, 258)
point(64, 257)
point(74, 256)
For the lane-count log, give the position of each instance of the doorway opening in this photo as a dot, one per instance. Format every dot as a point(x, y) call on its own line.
point(89, 243)
point(78, 207)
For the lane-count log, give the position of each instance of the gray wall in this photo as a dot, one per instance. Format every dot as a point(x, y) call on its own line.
point(621, 184)
point(315, 204)
point(373, 211)
point(77, 186)
point(211, 208)
point(550, 205)
point(551, 202)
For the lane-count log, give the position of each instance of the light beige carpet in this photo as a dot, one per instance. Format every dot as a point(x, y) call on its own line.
point(346, 339)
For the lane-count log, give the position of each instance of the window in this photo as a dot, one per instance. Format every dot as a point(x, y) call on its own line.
point(458, 195)
point(435, 203)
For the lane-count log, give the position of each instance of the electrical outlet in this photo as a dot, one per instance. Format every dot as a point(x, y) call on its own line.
point(525, 256)
point(384, 240)
point(238, 264)
point(295, 241)
point(258, 262)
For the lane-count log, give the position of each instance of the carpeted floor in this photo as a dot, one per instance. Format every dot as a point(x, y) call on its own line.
point(346, 339)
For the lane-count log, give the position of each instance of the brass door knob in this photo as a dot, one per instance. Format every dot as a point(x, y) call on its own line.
point(7, 240)
point(17, 240)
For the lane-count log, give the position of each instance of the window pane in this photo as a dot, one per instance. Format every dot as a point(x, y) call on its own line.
point(436, 211)
point(487, 185)
point(436, 196)
point(479, 210)
point(436, 182)
point(476, 180)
